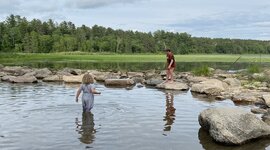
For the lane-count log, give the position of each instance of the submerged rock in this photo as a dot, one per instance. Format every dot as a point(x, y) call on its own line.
point(232, 126)
point(173, 86)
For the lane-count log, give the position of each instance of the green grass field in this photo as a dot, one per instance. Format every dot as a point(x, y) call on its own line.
point(13, 58)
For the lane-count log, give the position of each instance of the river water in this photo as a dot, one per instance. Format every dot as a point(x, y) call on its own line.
point(45, 116)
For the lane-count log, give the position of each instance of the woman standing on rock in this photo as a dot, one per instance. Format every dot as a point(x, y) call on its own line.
point(170, 65)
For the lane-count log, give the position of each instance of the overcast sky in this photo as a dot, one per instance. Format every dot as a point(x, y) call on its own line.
point(245, 19)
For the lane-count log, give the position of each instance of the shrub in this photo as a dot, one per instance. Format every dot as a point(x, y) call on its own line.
point(254, 69)
point(201, 71)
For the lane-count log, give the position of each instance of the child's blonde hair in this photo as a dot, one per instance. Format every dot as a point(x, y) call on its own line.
point(87, 79)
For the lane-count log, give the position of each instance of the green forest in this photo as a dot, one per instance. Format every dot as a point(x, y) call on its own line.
point(17, 34)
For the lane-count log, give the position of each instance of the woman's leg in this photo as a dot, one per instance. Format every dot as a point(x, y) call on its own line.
point(171, 74)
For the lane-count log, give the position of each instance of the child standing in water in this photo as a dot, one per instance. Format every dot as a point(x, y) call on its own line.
point(88, 90)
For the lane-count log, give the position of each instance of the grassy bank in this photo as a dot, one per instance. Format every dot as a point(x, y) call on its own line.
point(7, 58)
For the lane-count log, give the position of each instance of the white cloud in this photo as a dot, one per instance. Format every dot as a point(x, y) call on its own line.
point(88, 4)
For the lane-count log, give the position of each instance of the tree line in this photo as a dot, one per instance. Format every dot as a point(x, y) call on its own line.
point(17, 34)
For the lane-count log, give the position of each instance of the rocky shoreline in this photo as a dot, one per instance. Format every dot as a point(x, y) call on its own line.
point(240, 87)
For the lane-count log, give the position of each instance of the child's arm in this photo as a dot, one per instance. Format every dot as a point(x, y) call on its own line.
point(94, 91)
point(78, 94)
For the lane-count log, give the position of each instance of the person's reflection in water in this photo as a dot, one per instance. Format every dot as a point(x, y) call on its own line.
point(170, 112)
point(86, 129)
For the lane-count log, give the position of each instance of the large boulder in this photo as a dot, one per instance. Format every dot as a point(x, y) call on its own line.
point(232, 126)
point(209, 87)
point(173, 86)
point(119, 82)
point(73, 79)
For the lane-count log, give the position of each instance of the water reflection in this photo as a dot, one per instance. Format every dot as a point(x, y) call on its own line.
point(209, 144)
point(86, 128)
point(170, 112)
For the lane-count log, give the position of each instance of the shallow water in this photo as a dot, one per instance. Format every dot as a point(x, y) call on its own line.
point(45, 116)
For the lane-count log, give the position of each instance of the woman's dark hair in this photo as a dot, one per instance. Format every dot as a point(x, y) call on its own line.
point(167, 50)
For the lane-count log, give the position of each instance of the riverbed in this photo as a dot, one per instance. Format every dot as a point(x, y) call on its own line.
point(46, 116)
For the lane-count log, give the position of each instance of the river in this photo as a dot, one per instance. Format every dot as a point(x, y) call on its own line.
point(45, 116)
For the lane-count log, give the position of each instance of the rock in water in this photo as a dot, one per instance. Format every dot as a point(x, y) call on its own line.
point(210, 87)
point(232, 126)
point(119, 82)
point(173, 86)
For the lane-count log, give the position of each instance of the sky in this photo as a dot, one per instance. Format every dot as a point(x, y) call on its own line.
point(241, 19)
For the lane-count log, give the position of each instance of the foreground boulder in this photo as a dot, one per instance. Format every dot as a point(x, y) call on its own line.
point(232, 126)
point(209, 87)
point(119, 82)
point(173, 86)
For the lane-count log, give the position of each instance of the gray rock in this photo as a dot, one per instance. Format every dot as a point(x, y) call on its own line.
point(53, 78)
point(42, 73)
point(209, 87)
point(232, 82)
point(258, 111)
point(266, 99)
point(135, 74)
point(2, 74)
point(151, 74)
point(232, 126)
point(196, 79)
point(73, 79)
point(16, 70)
point(72, 71)
point(20, 79)
point(173, 86)
point(100, 76)
point(1, 66)
point(153, 81)
point(247, 96)
point(119, 82)
point(7, 78)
